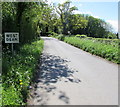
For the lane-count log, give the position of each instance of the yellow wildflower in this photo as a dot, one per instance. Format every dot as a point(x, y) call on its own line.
point(21, 83)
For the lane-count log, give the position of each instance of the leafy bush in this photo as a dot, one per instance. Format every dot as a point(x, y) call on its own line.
point(112, 35)
point(81, 36)
point(11, 96)
point(90, 38)
point(61, 37)
point(53, 34)
point(107, 51)
point(18, 72)
point(113, 42)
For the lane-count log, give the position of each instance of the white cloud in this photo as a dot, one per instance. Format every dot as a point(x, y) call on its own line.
point(62, 1)
point(56, 1)
point(80, 5)
point(80, 12)
point(97, 0)
point(114, 24)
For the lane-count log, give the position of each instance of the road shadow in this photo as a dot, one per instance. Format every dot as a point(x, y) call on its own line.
point(64, 97)
point(52, 69)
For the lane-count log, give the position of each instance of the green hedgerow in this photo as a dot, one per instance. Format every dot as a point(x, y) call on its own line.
point(18, 71)
point(101, 49)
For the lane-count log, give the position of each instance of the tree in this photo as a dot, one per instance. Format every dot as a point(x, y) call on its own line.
point(64, 10)
point(97, 27)
point(20, 17)
point(8, 17)
point(77, 23)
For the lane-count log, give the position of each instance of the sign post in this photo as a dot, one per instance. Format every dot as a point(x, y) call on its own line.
point(12, 47)
point(12, 37)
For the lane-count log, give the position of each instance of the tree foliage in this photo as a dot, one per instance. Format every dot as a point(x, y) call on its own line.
point(65, 11)
point(32, 19)
point(27, 18)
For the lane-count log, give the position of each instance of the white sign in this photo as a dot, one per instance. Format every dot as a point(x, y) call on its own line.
point(12, 37)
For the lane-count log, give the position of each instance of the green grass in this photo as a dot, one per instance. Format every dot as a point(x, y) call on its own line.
point(18, 71)
point(105, 50)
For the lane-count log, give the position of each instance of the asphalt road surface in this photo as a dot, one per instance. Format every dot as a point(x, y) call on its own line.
point(70, 76)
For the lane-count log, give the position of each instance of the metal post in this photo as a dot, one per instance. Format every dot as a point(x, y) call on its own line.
point(12, 48)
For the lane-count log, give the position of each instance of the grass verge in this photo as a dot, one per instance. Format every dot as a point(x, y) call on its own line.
point(18, 71)
point(107, 51)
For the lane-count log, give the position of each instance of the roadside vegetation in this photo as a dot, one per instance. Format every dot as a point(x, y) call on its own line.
point(35, 19)
point(18, 71)
point(105, 48)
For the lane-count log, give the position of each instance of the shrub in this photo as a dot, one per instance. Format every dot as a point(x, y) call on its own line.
point(61, 37)
point(11, 96)
point(81, 36)
point(53, 34)
point(90, 38)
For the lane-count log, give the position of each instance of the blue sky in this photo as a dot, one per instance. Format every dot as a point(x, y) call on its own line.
point(107, 11)
point(103, 9)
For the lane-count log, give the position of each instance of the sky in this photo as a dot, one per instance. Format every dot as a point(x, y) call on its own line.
point(103, 9)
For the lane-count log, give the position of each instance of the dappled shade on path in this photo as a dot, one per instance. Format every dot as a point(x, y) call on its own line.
point(53, 68)
point(50, 71)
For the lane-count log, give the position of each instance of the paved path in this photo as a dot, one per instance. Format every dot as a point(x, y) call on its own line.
point(69, 75)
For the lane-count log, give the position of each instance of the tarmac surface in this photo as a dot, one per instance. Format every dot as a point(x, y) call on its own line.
point(70, 76)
